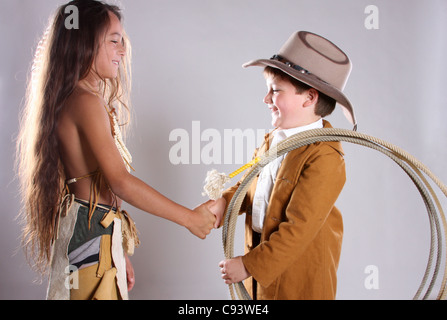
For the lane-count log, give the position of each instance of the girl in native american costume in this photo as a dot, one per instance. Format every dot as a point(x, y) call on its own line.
point(72, 162)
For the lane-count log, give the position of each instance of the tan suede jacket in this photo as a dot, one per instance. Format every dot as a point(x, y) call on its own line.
point(302, 235)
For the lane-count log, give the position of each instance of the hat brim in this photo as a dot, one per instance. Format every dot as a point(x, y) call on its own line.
point(312, 81)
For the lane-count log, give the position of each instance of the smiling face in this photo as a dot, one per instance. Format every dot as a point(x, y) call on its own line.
point(111, 50)
point(289, 108)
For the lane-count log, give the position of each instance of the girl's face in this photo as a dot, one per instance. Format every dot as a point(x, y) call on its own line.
point(284, 103)
point(111, 50)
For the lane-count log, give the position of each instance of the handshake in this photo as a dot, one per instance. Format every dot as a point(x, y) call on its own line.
point(205, 217)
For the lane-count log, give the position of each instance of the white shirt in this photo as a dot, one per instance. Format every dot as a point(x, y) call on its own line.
point(267, 176)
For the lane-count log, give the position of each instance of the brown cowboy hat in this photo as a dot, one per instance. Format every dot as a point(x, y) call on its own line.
point(317, 62)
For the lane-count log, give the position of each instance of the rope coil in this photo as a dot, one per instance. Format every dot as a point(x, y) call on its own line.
point(414, 169)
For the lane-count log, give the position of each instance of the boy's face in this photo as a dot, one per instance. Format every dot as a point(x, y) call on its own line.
point(286, 105)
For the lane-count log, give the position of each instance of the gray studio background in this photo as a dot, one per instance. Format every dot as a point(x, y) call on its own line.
point(187, 57)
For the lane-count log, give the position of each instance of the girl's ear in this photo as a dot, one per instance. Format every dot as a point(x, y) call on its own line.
point(311, 97)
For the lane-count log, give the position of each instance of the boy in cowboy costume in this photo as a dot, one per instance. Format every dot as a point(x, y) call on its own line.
point(293, 229)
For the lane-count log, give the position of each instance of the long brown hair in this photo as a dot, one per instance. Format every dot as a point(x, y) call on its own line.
point(63, 57)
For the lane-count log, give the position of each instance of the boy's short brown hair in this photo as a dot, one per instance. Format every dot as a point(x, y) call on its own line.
point(325, 104)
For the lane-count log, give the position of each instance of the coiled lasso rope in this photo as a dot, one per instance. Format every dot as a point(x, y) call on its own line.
point(414, 169)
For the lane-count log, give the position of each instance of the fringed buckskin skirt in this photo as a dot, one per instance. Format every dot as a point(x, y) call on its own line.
point(87, 255)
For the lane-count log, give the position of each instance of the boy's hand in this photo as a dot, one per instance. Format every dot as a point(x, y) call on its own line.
point(233, 270)
point(217, 207)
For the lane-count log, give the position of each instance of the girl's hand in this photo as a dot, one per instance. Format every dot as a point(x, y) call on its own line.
point(130, 273)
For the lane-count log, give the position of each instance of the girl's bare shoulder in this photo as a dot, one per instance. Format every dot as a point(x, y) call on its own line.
point(84, 105)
